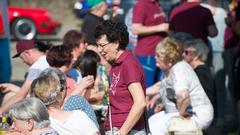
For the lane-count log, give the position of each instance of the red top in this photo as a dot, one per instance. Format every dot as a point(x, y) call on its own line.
point(148, 13)
point(70, 85)
point(125, 71)
point(191, 18)
point(1, 26)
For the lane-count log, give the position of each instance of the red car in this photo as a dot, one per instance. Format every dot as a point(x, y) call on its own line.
point(26, 23)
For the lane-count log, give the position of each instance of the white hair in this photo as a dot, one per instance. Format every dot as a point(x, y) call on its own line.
point(30, 108)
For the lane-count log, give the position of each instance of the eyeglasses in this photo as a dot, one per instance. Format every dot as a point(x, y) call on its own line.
point(188, 52)
point(102, 46)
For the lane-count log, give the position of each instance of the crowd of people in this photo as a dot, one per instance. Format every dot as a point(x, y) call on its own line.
point(91, 84)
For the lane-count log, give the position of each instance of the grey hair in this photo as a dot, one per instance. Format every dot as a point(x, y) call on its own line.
point(55, 72)
point(200, 46)
point(30, 108)
point(49, 85)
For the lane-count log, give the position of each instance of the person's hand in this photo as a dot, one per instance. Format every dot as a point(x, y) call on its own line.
point(185, 115)
point(152, 102)
point(8, 87)
point(86, 82)
point(164, 27)
point(120, 132)
point(159, 107)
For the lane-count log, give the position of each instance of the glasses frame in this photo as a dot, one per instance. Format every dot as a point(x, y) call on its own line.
point(102, 46)
point(189, 52)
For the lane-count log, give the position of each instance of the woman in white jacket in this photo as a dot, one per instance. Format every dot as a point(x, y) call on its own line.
point(180, 90)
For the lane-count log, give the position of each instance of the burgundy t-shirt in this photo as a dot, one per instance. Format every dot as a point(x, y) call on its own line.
point(191, 18)
point(148, 13)
point(125, 71)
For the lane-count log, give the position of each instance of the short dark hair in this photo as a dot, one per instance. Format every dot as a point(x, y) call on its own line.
point(73, 38)
point(59, 56)
point(42, 46)
point(88, 63)
point(114, 31)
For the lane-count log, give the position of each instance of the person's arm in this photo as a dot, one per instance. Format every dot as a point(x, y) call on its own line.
point(182, 101)
point(137, 109)
point(8, 87)
point(154, 89)
point(80, 88)
point(212, 31)
point(236, 28)
point(152, 101)
point(21, 94)
point(139, 29)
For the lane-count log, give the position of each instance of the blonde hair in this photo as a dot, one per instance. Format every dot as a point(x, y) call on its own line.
point(49, 86)
point(170, 50)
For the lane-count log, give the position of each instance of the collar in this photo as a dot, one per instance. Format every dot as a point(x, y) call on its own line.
point(122, 57)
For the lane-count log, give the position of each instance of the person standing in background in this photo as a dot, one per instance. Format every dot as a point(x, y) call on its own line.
point(192, 18)
point(98, 9)
point(219, 15)
point(150, 27)
point(93, 18)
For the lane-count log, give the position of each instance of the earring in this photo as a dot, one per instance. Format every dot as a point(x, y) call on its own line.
point(170, 64)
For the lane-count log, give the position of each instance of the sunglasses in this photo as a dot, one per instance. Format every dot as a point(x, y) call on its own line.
point(189, 52)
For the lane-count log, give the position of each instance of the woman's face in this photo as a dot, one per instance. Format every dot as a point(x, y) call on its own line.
point(21, 126)
point(161, 62)
point(107, 49)
point(79, 50)
point(189, 54)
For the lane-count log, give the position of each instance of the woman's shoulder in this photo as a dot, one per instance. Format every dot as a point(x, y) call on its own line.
point(79, 114)
point(181, 65)
point(61, 116)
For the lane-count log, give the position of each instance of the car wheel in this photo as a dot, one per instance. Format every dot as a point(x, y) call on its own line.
point(24, 28)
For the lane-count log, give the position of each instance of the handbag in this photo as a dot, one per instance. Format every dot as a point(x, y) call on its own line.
point(179, 126)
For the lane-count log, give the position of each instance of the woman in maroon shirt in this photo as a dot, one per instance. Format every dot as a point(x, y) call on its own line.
point(127, 91)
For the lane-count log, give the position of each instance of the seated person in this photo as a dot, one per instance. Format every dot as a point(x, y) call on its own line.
point(30, 117)
point(181, 92)
point(51, 89)
point(89, 64)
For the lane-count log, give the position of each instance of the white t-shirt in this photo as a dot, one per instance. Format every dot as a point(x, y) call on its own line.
point(37, 67)
point(77, 124)
point(219, 18)
point(182, 77)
